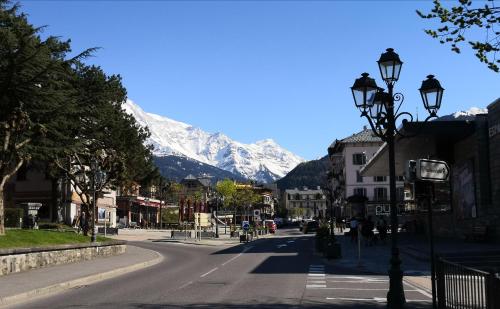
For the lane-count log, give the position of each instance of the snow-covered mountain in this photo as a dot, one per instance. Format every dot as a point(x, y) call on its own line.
point(464, 115)
point(263, 161)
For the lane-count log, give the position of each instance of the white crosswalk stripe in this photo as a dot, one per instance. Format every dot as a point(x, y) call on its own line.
point(316, 277)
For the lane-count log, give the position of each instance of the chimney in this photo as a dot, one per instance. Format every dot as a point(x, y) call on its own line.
point(365, 127)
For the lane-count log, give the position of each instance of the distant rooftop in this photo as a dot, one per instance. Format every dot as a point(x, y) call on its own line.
point(366, 135)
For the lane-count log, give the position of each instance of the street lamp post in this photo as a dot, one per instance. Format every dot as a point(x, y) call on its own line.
point(378, 107)
point(217, 216)
point(98, 180)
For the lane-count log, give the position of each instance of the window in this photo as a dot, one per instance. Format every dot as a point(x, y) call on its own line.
point(400, 194)
point(359, 178)
point(358, 158)
point(400, 178)
point(360, 191)
point(379, 178)
point(380, 194)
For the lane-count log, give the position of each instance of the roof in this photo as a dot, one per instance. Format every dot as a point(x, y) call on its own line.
point(497, 101)
point(420, 143)
point(364, 136)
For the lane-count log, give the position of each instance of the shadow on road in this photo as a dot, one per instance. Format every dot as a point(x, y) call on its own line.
point(343, 305)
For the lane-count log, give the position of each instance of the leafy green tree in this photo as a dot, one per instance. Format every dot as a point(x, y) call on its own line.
point(246, 197)
point(227, 189)
point(35, 93)
point(465, 19)
point(106, 148)
point(170, 216)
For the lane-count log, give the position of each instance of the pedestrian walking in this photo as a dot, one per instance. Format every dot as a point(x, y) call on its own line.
point(340, 224)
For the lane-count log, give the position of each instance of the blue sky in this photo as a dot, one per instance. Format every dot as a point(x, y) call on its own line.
point(264, 69)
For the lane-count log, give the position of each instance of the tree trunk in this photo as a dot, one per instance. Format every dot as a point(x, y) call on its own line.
point(2, 218)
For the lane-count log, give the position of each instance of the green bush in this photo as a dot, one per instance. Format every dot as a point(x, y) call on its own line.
point(13, 217)
point(323, 232)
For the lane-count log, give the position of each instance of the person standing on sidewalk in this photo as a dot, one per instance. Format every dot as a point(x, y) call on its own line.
point(354, 229)
point(382, 229)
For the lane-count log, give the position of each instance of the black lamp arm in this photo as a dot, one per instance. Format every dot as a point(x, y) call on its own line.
point(419, 130)
point(377, 130)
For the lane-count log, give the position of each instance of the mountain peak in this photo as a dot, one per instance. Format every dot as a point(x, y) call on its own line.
point(469, 114)
point(262, 161)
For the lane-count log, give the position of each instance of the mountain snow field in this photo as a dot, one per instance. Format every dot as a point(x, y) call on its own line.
point(263, 161)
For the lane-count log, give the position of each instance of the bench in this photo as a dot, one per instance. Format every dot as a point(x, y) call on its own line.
point(477, 233)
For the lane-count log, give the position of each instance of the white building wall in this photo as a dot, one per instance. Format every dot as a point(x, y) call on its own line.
point(350, 171)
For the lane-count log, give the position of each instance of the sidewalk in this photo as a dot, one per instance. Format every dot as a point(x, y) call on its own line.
point(414, 254)
point(164, 236)
point(22, 286)
point(376, 260)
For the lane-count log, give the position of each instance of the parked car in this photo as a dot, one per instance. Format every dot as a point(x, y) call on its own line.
point(271, 226)
point(310, 226)
point(279, 221)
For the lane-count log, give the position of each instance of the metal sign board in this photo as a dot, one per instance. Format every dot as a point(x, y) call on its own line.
point(245, 225)
point(256, 212)
point(432, 170)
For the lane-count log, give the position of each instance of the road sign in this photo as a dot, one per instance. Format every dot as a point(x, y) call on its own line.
point(245, 225)
point(432, 170)
point(256, 212)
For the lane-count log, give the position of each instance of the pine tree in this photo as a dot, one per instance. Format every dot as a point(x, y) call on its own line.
point(106, 148)
point(34, 87)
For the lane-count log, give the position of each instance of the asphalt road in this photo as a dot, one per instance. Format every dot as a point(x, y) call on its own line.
point(278, 272)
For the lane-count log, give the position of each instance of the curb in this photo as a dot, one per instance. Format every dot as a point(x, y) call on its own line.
point(58, 287)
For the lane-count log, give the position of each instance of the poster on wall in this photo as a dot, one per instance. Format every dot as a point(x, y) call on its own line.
point(464, 199)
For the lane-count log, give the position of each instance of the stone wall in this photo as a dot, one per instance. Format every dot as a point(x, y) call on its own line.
point(18, 260)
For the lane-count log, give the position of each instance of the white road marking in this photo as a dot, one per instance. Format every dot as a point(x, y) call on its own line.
point(316, 275)
point(377, 299)
point(185, 285)
point(237, 256)
point(315, 286)
point(418, 289)
point(364, 289)
point(316, 282)
point(211, 271)
point(290, 241)
point(360, 281)
point(280, 246)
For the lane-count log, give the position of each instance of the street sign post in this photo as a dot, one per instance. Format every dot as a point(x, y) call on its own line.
point(432, 170)
point(245, 225)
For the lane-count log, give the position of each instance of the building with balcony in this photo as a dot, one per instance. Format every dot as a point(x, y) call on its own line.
point(353, 193)
point(471, 197)
point(306, 203)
